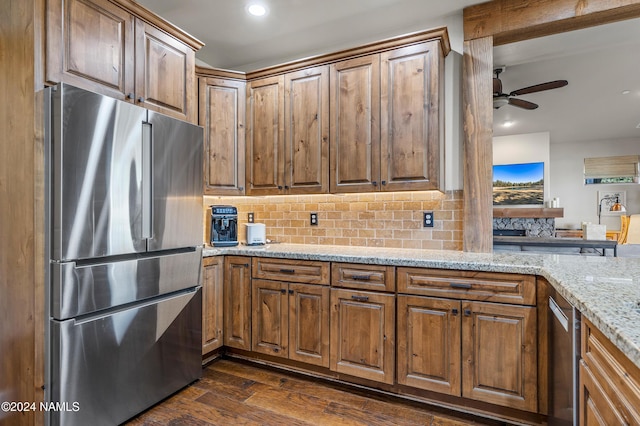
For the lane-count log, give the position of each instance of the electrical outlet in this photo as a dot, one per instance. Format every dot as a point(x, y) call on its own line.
point(427, 219)
point(250, 217)
point(313, 219)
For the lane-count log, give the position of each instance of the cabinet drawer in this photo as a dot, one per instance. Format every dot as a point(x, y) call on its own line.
point(297, 271)
point(485, 286)
point(612, 372)
point(363, 277)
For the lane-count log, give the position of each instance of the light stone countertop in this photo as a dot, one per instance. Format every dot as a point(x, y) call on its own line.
point(606, 290)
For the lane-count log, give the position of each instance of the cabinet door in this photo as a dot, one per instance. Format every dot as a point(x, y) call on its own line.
point(596, 407)
point(222, 114)
point(90, 44)
point(237, 302)
point(212, 319)
point(429, 343)
point(355, 125)
point(165, 74)
point(410, 118)
point(265, 136)
point(362, 334)
point(306, 135)
point(499, 354)
point(270, 318)
point(309, 324)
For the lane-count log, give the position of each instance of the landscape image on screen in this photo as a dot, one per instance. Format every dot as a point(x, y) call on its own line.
point(518, 184)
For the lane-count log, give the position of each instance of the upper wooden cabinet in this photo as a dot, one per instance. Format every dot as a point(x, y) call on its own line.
point(111, 48)
point(222, 114)
point(288, 133)
point(265, 136)
point(355, 125)
point(387, 121)
point(411, 118)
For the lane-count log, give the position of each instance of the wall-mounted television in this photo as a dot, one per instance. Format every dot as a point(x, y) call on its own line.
point(518, 184)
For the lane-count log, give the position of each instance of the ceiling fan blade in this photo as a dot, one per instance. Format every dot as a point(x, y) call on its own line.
point(540, 87)
point(521, 103)
point(497, 86)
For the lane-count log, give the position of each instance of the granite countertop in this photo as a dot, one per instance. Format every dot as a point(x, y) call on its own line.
point(606, 290)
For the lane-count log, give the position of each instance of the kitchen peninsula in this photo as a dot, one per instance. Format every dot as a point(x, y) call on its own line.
point(605, 290)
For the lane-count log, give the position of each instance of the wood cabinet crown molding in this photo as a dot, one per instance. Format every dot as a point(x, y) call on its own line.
point(160, 23)
point(440, 34)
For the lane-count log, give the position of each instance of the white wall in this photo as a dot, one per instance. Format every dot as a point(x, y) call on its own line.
point(527, 148)
point(580, 201)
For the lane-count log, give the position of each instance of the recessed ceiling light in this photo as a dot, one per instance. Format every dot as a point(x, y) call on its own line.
point(626, 92)
point(257, 10)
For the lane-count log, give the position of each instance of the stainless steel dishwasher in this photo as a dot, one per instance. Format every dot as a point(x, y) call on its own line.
point(564, 355)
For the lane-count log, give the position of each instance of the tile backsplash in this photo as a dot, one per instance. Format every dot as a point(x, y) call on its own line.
point(391, 219)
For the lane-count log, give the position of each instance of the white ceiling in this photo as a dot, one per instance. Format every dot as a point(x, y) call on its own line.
point(295, 29)
point(599, 63)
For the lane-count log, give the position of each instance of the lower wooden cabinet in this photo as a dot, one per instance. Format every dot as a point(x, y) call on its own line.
point(212, 306)
point(477, 350)
point(609, 382)
point(291, 320)
point(363, 334)
point(237, 302)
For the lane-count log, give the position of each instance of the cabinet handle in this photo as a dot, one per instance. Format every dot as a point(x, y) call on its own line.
point(460, 285)
point(140, 99)
point(131, 96)
point(361, 277)
point(467, 312)
point(287, 271)
point(454, 311)
point(360, 298)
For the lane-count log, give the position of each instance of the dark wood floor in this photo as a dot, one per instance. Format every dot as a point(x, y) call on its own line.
point(237, 393)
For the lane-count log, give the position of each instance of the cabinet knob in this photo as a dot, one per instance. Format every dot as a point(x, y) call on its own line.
point(283, 290)
point(280, 187)
point(467, 312)
point(291, 292)
point(130, 96)
point(241, 188)
point(384, 182)
point(140, 99)
point(286, 187)
point(454, 311)
point(374, 183)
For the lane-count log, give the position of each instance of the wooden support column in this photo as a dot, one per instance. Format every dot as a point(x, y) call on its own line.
point(478, 145)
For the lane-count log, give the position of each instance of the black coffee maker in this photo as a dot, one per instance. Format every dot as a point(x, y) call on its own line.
point(224, 226)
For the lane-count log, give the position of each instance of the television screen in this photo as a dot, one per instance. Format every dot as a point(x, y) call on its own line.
point(518, 184)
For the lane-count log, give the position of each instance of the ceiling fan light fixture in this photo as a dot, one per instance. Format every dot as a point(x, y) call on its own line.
point(500, 101)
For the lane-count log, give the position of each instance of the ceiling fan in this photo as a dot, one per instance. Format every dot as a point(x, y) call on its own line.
point(501, 99)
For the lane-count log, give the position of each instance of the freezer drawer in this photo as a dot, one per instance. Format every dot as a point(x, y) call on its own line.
point(81, 288)
point(107, 369)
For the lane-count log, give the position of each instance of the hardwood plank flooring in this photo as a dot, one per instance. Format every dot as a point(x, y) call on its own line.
point(237, 393)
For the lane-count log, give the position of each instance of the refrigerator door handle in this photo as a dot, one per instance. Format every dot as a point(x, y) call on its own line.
point(147, 181)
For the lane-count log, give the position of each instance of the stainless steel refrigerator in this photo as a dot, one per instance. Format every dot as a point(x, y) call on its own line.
point(124, 239)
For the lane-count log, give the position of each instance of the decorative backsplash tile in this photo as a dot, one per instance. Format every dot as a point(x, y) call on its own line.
point(369, 220)
point(535, 227)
